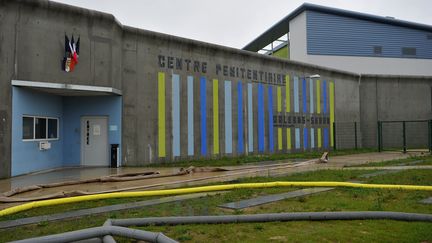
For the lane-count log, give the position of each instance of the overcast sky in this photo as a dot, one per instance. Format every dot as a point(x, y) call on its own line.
point(235, 23)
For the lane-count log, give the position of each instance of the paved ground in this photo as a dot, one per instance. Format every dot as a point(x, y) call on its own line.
point(69, 174)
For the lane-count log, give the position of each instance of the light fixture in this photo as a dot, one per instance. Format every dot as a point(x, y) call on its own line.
point(314, 76)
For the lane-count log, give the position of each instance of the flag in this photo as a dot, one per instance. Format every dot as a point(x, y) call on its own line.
point(70, 58)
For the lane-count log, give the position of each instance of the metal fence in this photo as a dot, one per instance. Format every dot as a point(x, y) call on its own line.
point(346, 135)
point(404, 135)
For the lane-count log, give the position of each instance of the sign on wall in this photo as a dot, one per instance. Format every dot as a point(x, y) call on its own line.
point(250, 111)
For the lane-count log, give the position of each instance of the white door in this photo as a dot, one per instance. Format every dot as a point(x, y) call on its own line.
point(94, 141)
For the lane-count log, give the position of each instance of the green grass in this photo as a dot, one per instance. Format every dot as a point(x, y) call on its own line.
point(425, 160)
point(242, 160)
point(341, 199)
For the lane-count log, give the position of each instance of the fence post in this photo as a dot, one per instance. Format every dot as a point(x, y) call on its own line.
point(404, 137)
point(379, 137)
point(430, 135)
point(334, 136)
point(355, 134)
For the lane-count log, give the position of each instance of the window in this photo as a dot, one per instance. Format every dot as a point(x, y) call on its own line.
point(28, 132)
point(40, 128)
point(377, 50)
point(409, 51)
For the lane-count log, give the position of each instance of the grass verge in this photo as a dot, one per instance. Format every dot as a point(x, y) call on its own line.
point(341, 199)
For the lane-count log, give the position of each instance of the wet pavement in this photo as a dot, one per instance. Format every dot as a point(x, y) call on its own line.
point(262, 169)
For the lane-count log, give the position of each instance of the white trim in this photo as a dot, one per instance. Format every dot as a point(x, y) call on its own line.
point(73, 87)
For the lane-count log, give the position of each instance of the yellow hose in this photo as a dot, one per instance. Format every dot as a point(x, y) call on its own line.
point(58, 201)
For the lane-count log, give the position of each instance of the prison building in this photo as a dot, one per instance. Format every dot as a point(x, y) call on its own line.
point(351, 41)
point(78, 88)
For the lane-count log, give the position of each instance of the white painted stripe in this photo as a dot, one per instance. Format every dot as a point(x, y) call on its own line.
point(176, 114)
point(297, 138)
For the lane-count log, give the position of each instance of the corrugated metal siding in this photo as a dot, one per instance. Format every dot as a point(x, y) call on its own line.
point(335, 35)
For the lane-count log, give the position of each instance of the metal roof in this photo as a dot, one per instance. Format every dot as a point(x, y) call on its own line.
point(282, 27)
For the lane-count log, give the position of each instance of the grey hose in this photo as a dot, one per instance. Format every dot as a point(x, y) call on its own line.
point(362, 215)
point(101, 232)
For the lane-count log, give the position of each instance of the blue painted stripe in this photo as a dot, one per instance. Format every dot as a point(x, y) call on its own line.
point(240, 132)
point(324, 94)
point(270, 112)
point(190, 117)
point(203, 102)
point(312, 137)
point(296, 95)
point(176, 114)
point(304, 97)
point(250, 119)
point(260, 118)
point(311, 96)
point(228, 118)
point(305, 138)
point(297, 138)
point(326, 137)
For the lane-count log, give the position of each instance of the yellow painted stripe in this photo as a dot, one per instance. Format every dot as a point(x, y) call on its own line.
point(288, 130)
point(319, 137)
point(279, 138)
point(318, 96)
point(279, 99)
point(287, 92)
point(161, 114)
point(332, 115)
point(215, 116)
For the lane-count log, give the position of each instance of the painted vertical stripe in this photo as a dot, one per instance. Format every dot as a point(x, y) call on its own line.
point(324, 91)
point(250, 119)
point(318, 96)
point(312, 138)
point(161, 115)
point(287, 94)
point(260, 118)
point(296, 95)
point(279, 138)
point(304, 97)
point(215, 116)
point(305, 138)
point(297, 138)
point(190, 115)
point(331, 90)
point(311, 96)
point(319, 137)
point(203, 103)
point(270, 118)
point(176, 114)
point(279, 99)
point(288, 131)
point(279, 109)
point(240, 132)
point(326, 137)
point(228, 118)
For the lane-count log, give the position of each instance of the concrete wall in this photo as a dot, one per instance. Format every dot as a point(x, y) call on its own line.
point(393, 98)
point(370, 65)
point(157, 104)
point(297, 41)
